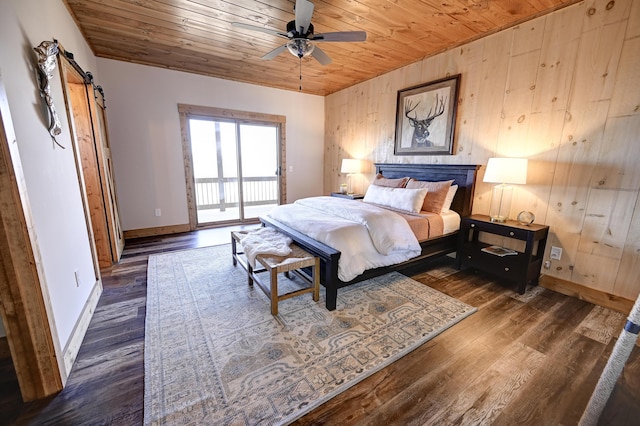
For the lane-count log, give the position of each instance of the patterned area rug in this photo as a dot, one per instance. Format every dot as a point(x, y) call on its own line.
point(215, 355)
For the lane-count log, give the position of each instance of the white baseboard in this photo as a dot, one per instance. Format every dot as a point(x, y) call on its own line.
point(77, 336)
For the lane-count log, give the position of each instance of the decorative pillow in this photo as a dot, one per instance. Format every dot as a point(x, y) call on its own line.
point(449, 198)
point(409, 200)
point(390, 183)
point(434, 200)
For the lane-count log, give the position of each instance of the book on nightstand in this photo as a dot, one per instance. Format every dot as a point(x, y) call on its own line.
point(499, 251)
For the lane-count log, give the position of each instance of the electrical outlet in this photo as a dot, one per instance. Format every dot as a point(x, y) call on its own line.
point(158, 212)
point(547, 264)
point(77, 275)
point(556, 253)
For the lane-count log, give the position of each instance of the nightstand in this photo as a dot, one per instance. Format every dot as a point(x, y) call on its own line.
point(349, 196)
point(521, 267)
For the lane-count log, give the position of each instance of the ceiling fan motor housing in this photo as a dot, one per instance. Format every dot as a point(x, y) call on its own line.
point(291, 29)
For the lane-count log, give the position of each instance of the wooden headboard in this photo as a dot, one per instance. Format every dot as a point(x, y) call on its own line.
point(463, 175)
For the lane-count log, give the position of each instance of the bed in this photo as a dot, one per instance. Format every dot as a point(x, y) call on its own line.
point(462, 175)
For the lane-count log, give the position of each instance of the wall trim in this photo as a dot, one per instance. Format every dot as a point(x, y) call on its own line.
point(154, 232)
point(80, 329)
point(597, 297)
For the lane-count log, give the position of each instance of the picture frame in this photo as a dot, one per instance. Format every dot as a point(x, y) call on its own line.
point(426, 117)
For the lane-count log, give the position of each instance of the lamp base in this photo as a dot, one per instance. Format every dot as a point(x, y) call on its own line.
point(500, 203)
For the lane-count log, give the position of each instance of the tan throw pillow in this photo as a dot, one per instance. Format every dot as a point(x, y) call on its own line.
point(390, 183)
point(449, 198)
point(436, 195)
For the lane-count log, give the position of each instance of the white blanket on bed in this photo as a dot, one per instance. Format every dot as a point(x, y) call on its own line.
point(367, 236)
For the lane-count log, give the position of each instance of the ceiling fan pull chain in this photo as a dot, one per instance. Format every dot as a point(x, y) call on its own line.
point(300, 74)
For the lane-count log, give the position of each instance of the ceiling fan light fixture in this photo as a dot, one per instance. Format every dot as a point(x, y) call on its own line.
point(300, 47)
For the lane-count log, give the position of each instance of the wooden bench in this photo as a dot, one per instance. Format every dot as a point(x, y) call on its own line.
point(274, 265)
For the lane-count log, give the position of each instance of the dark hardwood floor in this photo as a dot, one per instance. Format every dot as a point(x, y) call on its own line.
point(531, 359)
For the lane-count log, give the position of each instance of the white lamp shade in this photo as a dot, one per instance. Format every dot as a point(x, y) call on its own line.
point(506, 170)
point(350, 165)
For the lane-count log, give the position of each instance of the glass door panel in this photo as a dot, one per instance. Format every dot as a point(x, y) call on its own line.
point(259, 166)
point(215, 171)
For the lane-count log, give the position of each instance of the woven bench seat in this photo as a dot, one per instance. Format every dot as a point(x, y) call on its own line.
point(274, 265)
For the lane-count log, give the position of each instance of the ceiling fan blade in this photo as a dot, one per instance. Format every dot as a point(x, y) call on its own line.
point(341, 36)
point(304, 10)
point(275, 52)
point(256, 28)
point(320, 56)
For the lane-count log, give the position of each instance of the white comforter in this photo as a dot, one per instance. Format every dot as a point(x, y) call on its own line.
point(367, 236)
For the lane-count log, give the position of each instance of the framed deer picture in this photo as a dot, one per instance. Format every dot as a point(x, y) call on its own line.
point(426, 117)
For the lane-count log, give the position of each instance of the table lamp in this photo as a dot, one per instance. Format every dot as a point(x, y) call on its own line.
point(350, 166)
point(505, 172)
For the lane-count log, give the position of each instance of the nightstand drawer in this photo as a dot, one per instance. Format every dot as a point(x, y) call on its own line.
point(507, 266)
point(499, 229)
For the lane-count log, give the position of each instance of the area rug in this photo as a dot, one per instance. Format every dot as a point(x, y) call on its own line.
point(215, 355)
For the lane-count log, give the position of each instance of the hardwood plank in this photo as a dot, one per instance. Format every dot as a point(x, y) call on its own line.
point(557, 383)
point(485, 397)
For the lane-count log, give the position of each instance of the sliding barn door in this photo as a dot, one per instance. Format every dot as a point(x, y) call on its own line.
point(86, 111)
point(99, 118)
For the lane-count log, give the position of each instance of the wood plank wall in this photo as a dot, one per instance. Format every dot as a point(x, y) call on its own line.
point(562, 90)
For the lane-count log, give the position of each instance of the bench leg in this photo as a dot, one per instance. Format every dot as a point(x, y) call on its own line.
point(234, 253)
point(249, 274)
point(274, 291)
point(315, 275)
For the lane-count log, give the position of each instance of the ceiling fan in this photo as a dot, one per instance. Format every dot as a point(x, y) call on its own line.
point(301, 37)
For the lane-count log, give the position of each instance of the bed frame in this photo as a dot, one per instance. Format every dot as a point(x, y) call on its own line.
point(463, 175)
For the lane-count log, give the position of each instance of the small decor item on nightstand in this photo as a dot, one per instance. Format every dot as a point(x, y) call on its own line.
point(343, 188)
point(499, 251)
point(526, 218)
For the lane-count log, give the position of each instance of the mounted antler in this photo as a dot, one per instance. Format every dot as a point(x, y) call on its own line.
point(408, 109)
point(439, 108)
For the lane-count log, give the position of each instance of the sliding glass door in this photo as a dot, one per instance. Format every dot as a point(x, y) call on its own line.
point(235, 165)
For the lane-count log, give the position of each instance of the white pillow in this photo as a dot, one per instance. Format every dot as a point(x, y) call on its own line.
point(449, 198)
point(409, 200)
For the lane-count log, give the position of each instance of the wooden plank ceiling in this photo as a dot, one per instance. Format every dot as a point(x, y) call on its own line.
point(197, 36)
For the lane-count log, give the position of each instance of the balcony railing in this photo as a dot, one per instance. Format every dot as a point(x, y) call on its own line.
point(219, 194)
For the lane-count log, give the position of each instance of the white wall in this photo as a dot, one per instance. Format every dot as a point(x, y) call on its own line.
point(144, 130)
point(50, 172)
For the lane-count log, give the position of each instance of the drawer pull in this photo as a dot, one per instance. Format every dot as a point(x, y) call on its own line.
point(469, 257)
point(506, 269)
point(511, 234)
point(473, 225)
